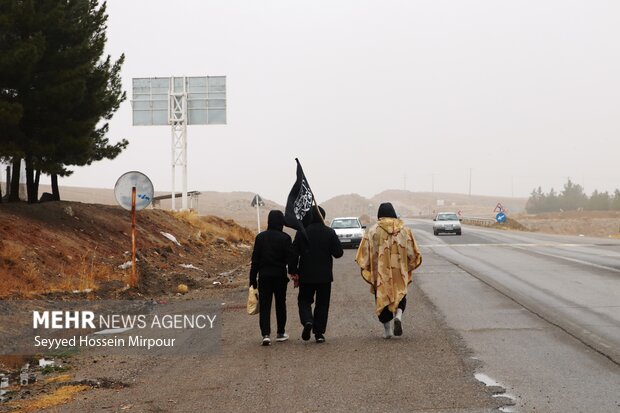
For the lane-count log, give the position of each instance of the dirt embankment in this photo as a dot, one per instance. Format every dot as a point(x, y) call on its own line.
point(70, 250)
point(604, 224)
point(62, 247)
point(589, 223)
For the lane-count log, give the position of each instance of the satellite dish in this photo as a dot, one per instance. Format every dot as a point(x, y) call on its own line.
point(144, 190)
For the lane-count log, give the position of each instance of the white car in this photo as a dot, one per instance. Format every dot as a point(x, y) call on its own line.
point(446, 222)
point(349, 230)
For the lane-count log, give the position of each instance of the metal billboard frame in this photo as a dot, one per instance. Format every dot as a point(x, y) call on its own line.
point(179, 101)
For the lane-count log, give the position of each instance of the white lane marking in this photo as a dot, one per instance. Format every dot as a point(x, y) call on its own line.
point(508, 245)
point(578, 261)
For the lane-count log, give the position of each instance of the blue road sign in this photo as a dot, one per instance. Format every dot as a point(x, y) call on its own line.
point(501, 217)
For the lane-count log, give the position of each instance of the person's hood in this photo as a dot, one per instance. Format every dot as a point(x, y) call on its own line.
point(316, 217)
point(386, 210)
point(275, 220)
point(391, 225)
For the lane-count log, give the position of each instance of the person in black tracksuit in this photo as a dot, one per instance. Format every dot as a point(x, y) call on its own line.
point(272, 249)
point(312, 261)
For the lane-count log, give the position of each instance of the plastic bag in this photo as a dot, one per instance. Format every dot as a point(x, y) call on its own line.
point(252, 301)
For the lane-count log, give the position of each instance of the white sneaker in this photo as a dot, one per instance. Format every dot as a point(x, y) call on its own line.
point(388, 329)
point(266, 341)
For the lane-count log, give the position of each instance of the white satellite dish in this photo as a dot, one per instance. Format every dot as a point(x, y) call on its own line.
point(144, 190)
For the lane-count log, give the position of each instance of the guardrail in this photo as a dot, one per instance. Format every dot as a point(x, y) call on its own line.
point(481, 222)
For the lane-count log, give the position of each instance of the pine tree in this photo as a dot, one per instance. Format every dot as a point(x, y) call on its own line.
point(552, 203)
point(599, 201)
point(534, 202)
point(69, 91)
point(572, 197)
point(615, 202)
point(20, 53)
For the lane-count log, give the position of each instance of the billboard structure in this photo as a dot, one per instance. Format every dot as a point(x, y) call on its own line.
point(179, 102)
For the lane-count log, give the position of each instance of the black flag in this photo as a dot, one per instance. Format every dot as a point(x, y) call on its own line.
point(298, 209)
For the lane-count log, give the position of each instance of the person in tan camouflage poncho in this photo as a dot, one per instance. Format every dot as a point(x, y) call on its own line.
point(387, 255)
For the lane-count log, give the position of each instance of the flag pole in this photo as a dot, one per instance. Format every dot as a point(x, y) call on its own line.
point(317, 208)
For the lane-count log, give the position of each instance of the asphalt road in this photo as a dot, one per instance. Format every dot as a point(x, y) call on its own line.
point(428, 369)
point(541, 312)
point(536, 315)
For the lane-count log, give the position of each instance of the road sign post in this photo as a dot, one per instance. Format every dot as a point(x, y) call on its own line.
point(258, 202)
point(134, 192)
point(133, 281)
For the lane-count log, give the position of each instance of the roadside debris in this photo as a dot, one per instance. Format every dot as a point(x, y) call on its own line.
point(125, 265)
point(86, 290)
point(45, 363)
point(191, 267)
point(170, 237)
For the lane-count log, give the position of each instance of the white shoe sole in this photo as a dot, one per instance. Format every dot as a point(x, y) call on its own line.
point(280, 340)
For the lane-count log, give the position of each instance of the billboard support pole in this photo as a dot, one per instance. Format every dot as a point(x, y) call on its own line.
point(178, 120)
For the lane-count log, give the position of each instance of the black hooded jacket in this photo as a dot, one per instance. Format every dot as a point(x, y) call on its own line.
point(312, 259)
point(386, 210)
point(271, 249)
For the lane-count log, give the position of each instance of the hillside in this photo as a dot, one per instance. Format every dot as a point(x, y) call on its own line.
point(61, 247)
point(236, 205)
point(229, 205)
point(412, 204)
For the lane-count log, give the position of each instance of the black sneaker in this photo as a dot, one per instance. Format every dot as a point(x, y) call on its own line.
point(320, 338)
point(398, 327)
point(266, 341)
point(282, 337)
point(305, 335)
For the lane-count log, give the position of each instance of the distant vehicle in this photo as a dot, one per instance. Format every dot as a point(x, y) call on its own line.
point(349, 230)
point(447, 222)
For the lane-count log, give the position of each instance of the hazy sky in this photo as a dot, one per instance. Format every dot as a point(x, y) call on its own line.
point(368, 92)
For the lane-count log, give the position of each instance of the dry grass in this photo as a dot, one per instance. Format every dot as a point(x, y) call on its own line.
point(17, 274)
point(511, 224)
point(589, 223)
point(13, 362)
point(20, 275)
point(210, 227)
point(10, 254)
point(62, 378)
point(59, 396)
point(85, 273)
